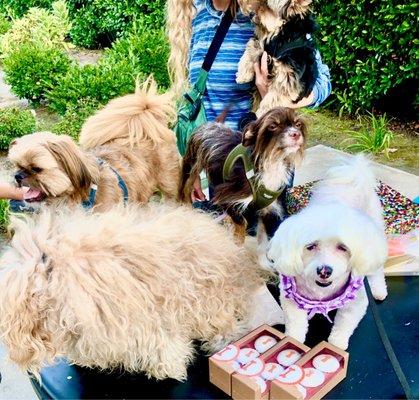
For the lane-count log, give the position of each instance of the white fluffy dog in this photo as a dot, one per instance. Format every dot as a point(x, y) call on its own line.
point(324, 252)
point(129, 288)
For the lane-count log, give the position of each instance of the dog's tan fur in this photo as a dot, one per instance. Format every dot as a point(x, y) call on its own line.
point(130, 134)
point(283, 84)
point(131, 287)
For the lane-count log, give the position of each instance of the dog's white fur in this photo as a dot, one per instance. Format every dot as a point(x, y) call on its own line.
point(130, 287)
point(344, 221)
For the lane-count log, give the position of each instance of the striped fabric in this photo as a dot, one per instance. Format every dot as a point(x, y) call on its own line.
point(222, 90)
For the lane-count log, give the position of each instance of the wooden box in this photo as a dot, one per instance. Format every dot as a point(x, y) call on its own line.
point(223, 364)
point(300, 389)
point(255, 386)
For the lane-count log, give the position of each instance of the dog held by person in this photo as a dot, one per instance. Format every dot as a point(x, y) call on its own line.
point(269, 148)
point(283, 30)
point(130, 288)
point(324, 252)
point(127, 153)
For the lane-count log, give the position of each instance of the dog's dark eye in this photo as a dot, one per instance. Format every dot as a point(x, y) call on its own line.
point(273, 127)
point(298, 124)
point(37, 170)
point(342, 247)
point(311, 246)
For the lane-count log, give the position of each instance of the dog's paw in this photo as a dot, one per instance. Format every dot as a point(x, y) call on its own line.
point(297, 335)
point(244, 77)
point(379, 293)
point(341, 341)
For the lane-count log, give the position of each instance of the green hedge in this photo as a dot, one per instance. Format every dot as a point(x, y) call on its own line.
point(74, 118)
point(17, 8)
point(15, 122)
point(371, 47)
point(97, 23)
point(147, 51)
point(32, 70)
point(93, 83)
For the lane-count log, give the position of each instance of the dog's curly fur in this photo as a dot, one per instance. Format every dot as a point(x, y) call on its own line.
point(130, 134)
point(131, 287)
point(293, 74)
point(276, 140)
point(341, 229)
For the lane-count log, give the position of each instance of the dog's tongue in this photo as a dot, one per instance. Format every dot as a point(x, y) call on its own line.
point(32, 193)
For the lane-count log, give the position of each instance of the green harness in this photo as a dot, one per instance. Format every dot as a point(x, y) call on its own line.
point(262, 196)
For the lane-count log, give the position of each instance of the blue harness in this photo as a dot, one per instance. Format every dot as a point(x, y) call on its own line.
point(88, 204)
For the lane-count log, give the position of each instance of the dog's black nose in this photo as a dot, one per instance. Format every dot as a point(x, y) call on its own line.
point(324, 271)
point(20, 176)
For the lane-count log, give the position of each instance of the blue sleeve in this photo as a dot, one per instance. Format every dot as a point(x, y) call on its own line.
point(323, 86)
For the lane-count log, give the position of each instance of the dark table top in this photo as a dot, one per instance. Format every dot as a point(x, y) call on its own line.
point(370, 374)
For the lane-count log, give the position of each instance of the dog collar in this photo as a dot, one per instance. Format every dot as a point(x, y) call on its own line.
point(88, 204)
point(288, 286)
point(262, 196)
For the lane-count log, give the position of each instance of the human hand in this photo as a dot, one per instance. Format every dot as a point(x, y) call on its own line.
point(262, 74)
point(197, 193)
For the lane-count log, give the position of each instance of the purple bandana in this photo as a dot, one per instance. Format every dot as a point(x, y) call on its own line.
point(289, 287)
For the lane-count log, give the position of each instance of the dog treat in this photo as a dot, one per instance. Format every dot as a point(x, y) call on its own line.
point(292, 375)
point(235, 365)
point(252, 368)
point(312, 378)
point(246, 355)
point(264, 343)
point(302, 390)
point(326, 363)
point(229, 353)
point(272, 371)
point(261, 383)
point(288, 357)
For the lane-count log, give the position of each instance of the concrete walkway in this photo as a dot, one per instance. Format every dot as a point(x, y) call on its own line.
point(15, 384)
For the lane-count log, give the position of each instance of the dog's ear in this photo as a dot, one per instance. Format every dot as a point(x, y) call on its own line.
point(368, 246)
point(286, 248)
point(72, 161)
point(250, 134)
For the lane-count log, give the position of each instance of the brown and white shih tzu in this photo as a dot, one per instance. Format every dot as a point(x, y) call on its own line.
point(283, 30)
point(127, 152)
point(275, 143)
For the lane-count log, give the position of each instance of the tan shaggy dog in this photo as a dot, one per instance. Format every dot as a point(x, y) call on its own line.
point(131, 287)
point(129, 137)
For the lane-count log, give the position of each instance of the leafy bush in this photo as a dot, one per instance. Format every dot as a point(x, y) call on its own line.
point(374, 135)
point(4, 215)
point(146, 50)
point(98, 83)
point(5, 24)
point(371, 48)
point(97, 23)
point(15, 122)
point(38, 27)
point(74, 118)
point(32, 70)
point(17, 8)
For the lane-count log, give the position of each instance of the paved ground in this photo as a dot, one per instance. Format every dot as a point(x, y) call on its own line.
point(15, 385)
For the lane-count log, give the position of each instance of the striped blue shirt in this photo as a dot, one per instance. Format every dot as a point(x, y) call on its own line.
point(222, 90)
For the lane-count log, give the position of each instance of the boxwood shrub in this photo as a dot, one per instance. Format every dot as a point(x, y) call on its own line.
point(14, 123)
point(372, 49)
point(97, 23)
point(32, 70)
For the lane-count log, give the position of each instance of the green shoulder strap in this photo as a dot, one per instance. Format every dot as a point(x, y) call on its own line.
point(262, 196)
